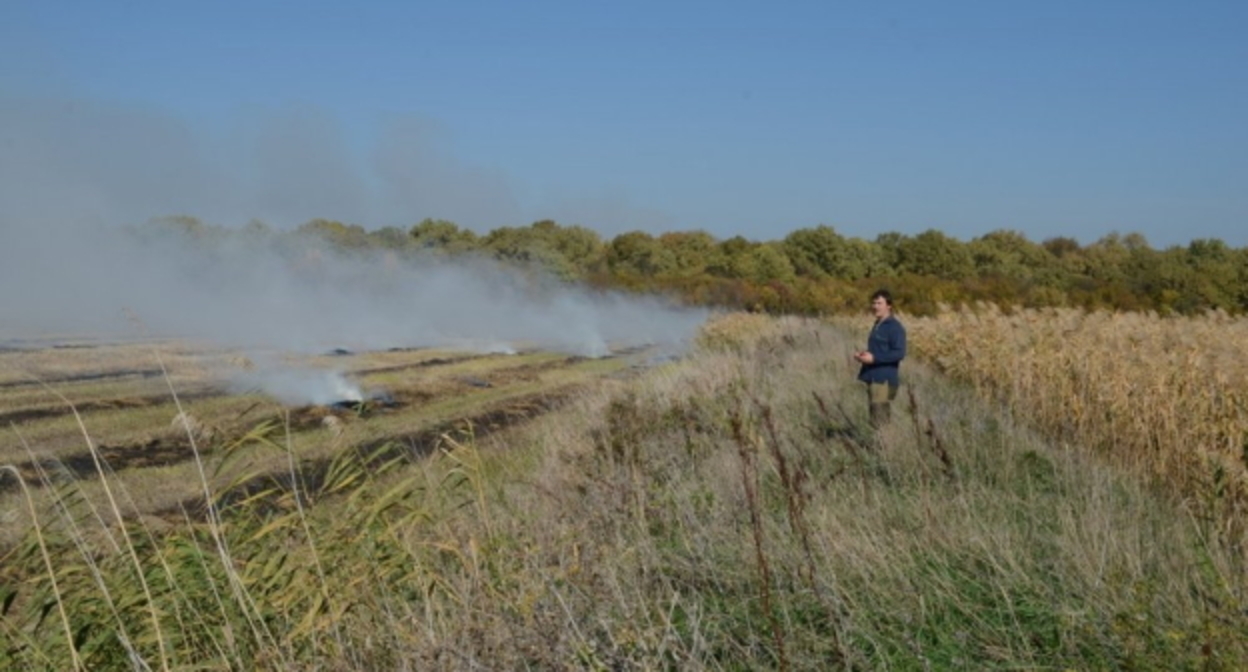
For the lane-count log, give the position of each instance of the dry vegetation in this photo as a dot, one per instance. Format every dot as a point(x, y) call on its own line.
point(729, 511)
point(1165, 395)
point(141, 438)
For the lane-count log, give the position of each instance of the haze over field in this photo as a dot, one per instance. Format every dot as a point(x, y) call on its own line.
point(73, 172)
point(253, 292)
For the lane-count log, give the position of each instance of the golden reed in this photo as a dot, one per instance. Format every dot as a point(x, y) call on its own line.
point(1168, 395)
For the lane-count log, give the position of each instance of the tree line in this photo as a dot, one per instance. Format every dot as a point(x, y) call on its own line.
point(818, 270)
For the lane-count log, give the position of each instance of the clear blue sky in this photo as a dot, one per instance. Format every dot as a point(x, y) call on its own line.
point(1053, 118)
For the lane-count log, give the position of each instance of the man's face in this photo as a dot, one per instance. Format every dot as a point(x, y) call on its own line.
point(880, 308)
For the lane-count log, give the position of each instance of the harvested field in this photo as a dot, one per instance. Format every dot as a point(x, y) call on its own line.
point(83, 377)
point(141, 439)
point(255, 490)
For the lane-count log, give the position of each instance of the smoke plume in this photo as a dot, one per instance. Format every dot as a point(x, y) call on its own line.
point(75, 181)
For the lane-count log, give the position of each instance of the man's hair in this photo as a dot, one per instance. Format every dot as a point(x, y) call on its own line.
point(883, 294)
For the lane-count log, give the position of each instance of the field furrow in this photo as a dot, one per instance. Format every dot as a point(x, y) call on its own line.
point(139, 440)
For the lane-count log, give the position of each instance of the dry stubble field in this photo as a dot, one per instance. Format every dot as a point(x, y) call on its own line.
point(52, 399)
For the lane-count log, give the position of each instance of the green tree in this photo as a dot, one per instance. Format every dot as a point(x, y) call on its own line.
point(1164, 277)
point(771, 264)
point(1061, 246)
point(339, 235)
point(1240, 259)
point(1009, 254)
point(443, 236)
point(732, 259)
point(638, 253)
point(935, 254)
point(890, 245)
point(822, 252)
point(692, 251)
point(1105, 260)
point(390, 238)
point(531, 246)
point(1216, 269)
point(582, 248)
point(871, 258)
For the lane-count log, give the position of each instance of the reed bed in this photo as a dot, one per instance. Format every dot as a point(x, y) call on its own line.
point(1168, 396)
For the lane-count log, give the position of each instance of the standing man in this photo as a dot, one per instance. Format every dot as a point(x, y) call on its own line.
point(886, 347)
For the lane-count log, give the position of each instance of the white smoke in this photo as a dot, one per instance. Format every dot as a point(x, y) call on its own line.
point(263, 294)
point(69, 177)
point(297, 387)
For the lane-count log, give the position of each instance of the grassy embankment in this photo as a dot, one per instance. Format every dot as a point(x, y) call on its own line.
point(728, 511)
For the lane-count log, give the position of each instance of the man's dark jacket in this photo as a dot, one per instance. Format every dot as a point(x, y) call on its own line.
point(887, 344)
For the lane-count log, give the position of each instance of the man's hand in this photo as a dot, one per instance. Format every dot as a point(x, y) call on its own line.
point(865, 357)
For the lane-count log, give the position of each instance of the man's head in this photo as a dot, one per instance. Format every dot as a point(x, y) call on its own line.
point(881, 304)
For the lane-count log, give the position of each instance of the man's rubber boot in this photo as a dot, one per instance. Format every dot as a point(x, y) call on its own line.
point(879, 415)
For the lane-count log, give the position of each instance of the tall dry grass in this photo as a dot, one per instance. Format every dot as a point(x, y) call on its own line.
point(731, 511)
point(1165, 395)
